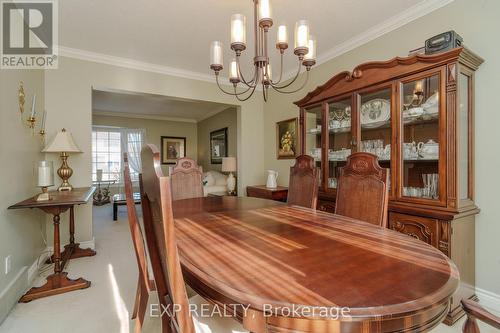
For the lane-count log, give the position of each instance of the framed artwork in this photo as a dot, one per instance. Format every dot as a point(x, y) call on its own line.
point(172, 148)
point(287, 142)
point(218, 145)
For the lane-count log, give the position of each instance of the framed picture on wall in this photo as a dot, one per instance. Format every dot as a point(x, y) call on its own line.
point(172, 148)
point(218, 145)
point(287, 142)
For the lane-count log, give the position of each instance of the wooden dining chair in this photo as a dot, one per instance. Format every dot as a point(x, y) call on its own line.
point(156, 195)
point(475, 311)
point(144, 284)
point(186, 178)
point(362, 191)
point(303, 184)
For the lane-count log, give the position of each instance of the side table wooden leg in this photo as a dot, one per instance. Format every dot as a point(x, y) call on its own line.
point(73, 250)
point(77, 252)
point(58, 282)
point(115, 211)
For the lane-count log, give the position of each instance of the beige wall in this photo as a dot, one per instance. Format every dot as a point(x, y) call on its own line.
point(155, 129)
point(477, 22)
point(226, 118)
point(68, 101)
point(20, 230)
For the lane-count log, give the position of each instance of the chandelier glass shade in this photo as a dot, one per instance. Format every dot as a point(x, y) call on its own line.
point(304, 49)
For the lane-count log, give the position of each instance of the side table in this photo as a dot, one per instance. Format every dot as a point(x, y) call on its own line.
point(58, 282)
point(261, 191)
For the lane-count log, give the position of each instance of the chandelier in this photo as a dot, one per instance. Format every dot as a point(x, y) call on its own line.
point(304, 49)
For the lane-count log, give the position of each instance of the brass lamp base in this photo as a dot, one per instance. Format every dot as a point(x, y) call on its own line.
point(65, 173)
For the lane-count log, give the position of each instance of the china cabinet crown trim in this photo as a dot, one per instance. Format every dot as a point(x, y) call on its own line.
point(396, 67)
point(445, 221)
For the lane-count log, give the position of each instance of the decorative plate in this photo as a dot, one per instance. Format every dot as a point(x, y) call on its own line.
point(377, 110)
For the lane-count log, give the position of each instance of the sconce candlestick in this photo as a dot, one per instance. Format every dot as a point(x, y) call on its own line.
point(31, 123)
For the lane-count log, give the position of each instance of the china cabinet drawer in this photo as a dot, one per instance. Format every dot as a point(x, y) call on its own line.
point(421, 228)
point(326, 206)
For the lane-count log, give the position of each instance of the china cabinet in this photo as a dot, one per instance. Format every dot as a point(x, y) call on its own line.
point(417, 115)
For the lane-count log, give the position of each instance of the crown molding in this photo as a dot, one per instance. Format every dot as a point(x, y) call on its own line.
point(397, 21)
point(136, 64)
point(141, 116)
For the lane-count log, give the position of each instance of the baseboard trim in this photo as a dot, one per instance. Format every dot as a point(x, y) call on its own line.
point(489, 299)
point(12, 292)
point(33, 269)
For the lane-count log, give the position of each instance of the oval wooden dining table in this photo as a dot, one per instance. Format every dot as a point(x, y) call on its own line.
point(276, 258)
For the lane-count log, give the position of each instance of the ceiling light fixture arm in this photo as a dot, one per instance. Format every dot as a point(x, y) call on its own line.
point(296, 90)
point(276, 86)
point(228, 92)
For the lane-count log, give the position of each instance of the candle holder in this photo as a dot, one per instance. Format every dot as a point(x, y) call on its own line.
point(31, 122)
point(42, 135)
point(31, 119)
point(44, 179)
point(44, 196)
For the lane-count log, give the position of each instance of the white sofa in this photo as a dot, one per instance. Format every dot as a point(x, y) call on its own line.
point(214, 181)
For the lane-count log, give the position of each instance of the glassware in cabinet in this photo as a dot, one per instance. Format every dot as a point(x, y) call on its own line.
point(420, 146)
point(313, 119)
point(339, 137)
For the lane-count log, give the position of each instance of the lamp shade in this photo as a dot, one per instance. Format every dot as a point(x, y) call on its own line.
point(62, 142)
point(228, 164)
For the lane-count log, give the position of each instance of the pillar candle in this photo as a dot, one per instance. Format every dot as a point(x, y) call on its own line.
point(45, 174)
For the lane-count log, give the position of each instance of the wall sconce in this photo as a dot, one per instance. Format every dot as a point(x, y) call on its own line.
point(31, 119)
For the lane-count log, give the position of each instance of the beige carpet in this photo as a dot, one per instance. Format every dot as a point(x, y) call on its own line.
point(106, 306)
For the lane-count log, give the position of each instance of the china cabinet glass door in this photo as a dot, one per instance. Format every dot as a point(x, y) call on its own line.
point(375, 116)
point(313, 119)
point(339, 138)
point(421, 145)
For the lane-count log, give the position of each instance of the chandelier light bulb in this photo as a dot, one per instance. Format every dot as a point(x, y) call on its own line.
point(216, 58)
point(268, 74)
point(265, 13)
point(238, 32)
point(310, 57)
point(311, 54)
point(282, 38)
point(301, 37)
point(233, 72)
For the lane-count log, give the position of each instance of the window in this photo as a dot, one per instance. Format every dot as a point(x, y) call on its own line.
point(108, 146)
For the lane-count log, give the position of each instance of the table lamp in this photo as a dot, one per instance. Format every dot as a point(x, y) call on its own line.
point(44, 174)
point(229, 165)
point(63, 143)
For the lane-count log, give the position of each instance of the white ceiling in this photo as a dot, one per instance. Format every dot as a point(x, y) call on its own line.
point(130, 104)
point(178, 33)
